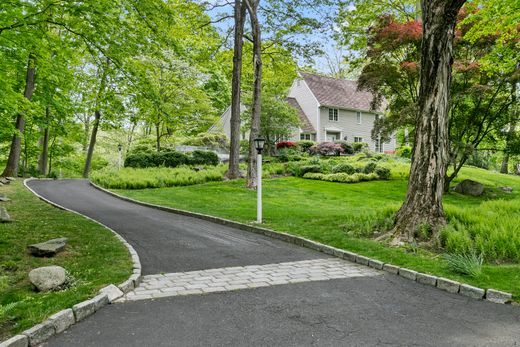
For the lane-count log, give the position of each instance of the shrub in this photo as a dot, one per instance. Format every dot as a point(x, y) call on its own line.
point(342, 177)
point(326, 148)
point(345, 168)
point(305, 145)
point(383, 173)
point(289, 154)
point(286, 144)
point(170, 159)
point(139, 160)
point(465, 263)
point(404, 151)
point(308, 169)
point(347, 147)
point(204, 158)
point(212, 140)
point(314, 176)
point(360, 147)
point(370, 168)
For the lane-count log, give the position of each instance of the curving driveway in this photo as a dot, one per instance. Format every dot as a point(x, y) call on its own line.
point(368, 309)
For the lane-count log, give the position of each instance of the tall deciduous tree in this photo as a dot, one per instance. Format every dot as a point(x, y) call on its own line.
point(423, 203)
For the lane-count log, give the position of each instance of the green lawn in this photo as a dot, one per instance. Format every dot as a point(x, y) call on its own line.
point(345, 216)
point(94, 257)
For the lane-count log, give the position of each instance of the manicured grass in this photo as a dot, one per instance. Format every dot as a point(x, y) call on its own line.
point(345, 216)
point(93, 256)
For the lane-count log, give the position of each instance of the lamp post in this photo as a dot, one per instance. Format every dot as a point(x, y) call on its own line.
point(120, 156)
point(259, 145)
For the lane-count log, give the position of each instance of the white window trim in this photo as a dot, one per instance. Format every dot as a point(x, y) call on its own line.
point(335, 115)
point(359, 117)
point(358, 137)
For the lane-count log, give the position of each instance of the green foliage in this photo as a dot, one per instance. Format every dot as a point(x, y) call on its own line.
point(345, 168)
point(465, 263)
point(204, 158)
point(360, 147)
point(211, 140)
point(348, 148)
point(404, 151)
point(383, 173)
point(170, 158)
point(305, 145)
point(370, 168)
point(131, 178)
point(342, 177)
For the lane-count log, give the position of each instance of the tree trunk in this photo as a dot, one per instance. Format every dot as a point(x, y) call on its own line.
point(86, 133)
point(13, 161)
point(510, 134)
point(44, 142)
point(92, 144)
point(158, 137)
point(423, 207)
point(252, 173)
point(505, 164)
point(234, 150)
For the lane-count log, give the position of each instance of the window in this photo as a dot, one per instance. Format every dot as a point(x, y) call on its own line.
point(305, 137)
point(358, 139)
point(358, 117)
point(333, 114)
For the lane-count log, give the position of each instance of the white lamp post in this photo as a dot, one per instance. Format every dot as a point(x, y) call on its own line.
point(120, 156)
point(259, 145)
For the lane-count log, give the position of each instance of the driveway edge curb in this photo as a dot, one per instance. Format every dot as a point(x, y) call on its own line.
point(490, 295)
point(68, 317)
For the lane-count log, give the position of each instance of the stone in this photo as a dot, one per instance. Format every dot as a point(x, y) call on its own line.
point(40, 333)
point(112, 292)
point(127, 286)
point(4, 198)
point(407, 273)
point(62, 320)
point(84, 309)
point(472, 292)
point(100, 300)
point(448, 285)
point(362, 260)
point(349, 256)
point(469, 187)
point(48, 278)
point(5, 181)
point(47, 249)
point(391, 269)
point(16, 341)
point(426, 279)
point(498, 297)
point(12, 179)
point(506, 189)
point(4, 216)
point(376, 264)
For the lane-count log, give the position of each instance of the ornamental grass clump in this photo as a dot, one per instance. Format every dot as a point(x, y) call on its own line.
point(465, 263)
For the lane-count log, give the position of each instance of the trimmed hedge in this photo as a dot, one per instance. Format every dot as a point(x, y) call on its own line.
point(344, 168)
point(170, 158)
point(342, 177)
point(204, 158)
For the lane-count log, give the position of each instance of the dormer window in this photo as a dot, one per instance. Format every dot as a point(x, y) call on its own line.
point(333, 114)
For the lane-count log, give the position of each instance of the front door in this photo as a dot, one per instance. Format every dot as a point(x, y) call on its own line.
point(331, 137)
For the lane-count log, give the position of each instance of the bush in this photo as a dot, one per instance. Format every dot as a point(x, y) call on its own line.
point(360, 147)
point(326, 148)
point(305, 145)
point(170, 159)
point(370, 168)
point(314, 176)
point(344, 168)
point(286, 144)
point(308, 169)
point(404, 152)
point(465, 263)
point(204, 158)
point(289, 154)
point(347, 147)
point(383, 173)
point(212, 140)
point(139, 160)
point(342, 177)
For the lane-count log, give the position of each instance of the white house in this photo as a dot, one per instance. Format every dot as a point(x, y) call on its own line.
point(330, 109)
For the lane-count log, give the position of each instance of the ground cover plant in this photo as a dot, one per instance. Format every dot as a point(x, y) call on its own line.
point(93, 256)
point(351, 216)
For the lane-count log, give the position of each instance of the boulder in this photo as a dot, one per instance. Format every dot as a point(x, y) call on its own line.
point(48, 278)
point(4, 181)
point(506, 189)
point(4, 216)
point(10, 178)
point(469, 187)
point(47, 249)
point(4, 198)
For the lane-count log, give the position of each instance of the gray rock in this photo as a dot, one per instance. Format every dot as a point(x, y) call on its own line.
point(469, 187)
point(62, 320)
point(506, 189)
point(100, 300)
point(391, 269)
point(40, 333)
point(472, 292)
point(5, 181)
point(376, 264)
point(48, 278)
point(16, 341)
point(4, 216)
point(127, 286)
point(349, 256)
point(10, 179)
point(84, 309)
point(362, 260)
point(426, 279)
point(112, 292)
point(407, 273)
point(448, 285)
point(4, 198)
point(498, 297)
point(47, 249)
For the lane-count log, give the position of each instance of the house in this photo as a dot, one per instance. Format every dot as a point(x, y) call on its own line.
point(330, 109)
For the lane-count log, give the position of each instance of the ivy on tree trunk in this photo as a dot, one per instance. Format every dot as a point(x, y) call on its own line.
point(422, 208)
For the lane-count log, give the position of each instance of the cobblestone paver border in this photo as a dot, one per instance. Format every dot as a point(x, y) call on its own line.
point(245, 277)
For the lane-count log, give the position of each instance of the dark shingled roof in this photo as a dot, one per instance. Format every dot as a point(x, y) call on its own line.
point(333, 92)
point(306, 125)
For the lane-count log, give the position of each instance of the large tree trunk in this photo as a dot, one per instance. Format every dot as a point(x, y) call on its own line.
point(423, 207)
point(234, 150)
point(44, 142)
point(13, 161)
point(92, 144)
point(252, 171)
point(511, 133)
